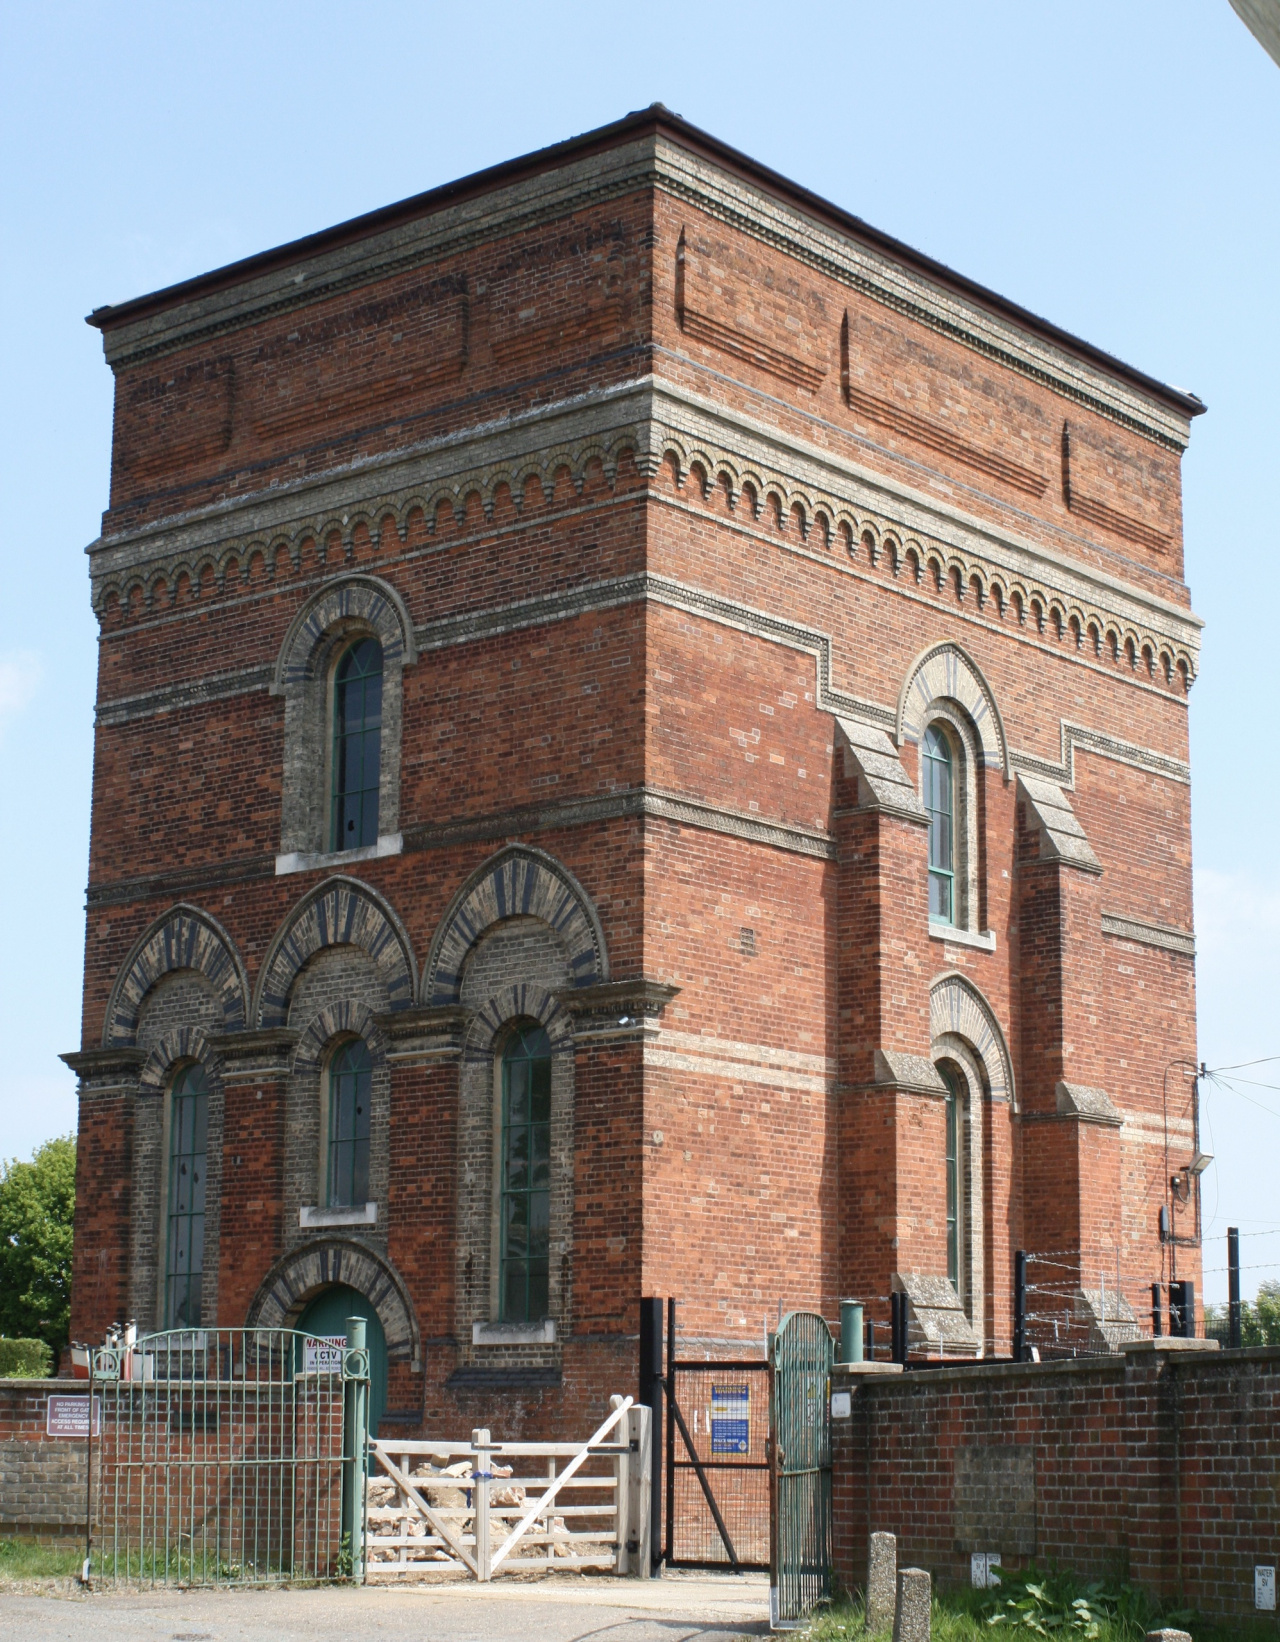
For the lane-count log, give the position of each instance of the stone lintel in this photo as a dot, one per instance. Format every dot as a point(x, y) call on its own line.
point(617, 1009)
point(1077, 1100)
point(92, 1064)
point(262, 1054)
point(871, 758)
point(416, 1035)
point(1049, 812)
point(914, 1074)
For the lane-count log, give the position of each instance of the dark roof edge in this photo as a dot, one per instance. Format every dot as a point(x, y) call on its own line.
point(653, 120)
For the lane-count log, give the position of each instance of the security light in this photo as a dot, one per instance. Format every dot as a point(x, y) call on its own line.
point(1199, 1163)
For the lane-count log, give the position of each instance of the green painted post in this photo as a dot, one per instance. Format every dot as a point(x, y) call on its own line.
point(851, 1331)
point(355, 1448)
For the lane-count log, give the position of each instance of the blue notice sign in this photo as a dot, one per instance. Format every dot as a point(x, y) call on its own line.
point(730, 1419)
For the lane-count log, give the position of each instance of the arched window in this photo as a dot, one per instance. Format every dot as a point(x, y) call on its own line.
point(350, 1083)
point(939, 801)
point(184, 1241)
point(524, 1210)
point(953, 1176)
point(357, 745)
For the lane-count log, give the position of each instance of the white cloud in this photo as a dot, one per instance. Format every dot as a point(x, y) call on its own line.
point(19, 679)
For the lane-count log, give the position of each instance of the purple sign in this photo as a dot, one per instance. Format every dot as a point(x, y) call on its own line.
point(69, 1417)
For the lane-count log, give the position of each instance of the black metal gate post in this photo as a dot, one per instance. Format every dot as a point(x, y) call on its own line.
point(651, 1397)
point(1019, 1305)
point(1233, 1287)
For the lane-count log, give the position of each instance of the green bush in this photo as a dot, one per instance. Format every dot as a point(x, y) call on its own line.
point(37, 1206)
point(25, 1359)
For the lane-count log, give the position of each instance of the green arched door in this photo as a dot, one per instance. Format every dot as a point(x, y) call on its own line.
point(327, 1314)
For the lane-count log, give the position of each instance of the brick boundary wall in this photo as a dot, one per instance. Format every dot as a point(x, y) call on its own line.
point(1160, 1466)
point(42, 1492)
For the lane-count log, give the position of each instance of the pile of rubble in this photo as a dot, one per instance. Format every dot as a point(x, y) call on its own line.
point(447, 1489)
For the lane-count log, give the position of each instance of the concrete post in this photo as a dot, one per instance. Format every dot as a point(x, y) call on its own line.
point(915, 1600)
point(882, 1581)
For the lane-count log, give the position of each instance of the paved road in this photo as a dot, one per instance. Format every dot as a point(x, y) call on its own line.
point(565, 1608)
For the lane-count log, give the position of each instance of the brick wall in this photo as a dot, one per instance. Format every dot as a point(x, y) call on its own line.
point(42, 1478)
point(1160, 1466)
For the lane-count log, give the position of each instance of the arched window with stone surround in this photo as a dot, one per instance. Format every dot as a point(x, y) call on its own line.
point(951, 1080)
point(347, 1138)
point(938, 780)
point(188, 1120)
point(524, 1205)
point(357, 745)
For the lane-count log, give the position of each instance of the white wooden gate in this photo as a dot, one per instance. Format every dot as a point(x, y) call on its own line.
point(484, 1507)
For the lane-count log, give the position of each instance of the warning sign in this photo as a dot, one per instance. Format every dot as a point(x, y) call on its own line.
point(69, 1417)
point(322, 1353)
point(730, 1419)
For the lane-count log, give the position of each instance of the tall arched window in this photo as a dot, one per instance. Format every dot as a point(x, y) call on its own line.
point(350, 1086)
point(939, 801)
point(953, 1175)
point(524, 1208)
point(184, 1240)
point(357, 745)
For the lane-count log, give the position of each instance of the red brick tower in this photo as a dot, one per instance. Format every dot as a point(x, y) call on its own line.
point(642, 748)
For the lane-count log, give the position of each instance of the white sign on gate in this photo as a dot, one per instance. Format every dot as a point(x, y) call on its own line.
point(322, 1354)
point(730, 1419)
point(69, 1417)
point(1264, 1588)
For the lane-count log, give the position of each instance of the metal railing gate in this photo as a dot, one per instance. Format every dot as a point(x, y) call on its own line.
point(801, 1355)
point(717, 1467)
point(231, 1456)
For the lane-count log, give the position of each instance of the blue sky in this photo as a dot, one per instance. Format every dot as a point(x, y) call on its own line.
point(1113, 167)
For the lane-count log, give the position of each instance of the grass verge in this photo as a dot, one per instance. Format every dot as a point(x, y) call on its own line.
point(1045, 1604)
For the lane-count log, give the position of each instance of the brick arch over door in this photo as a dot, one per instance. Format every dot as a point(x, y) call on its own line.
point(298, 1276)
point(517, 882)
point(184, 938)
point(958, 1009)
point(339, 912)
point(945, 673)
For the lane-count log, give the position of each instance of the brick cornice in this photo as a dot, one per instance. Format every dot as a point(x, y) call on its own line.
point(651, 418)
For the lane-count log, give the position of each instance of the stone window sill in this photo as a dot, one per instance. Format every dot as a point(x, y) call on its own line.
point(984, 942)
point(391, 843)
point(355, 1214)
point(514, 1334)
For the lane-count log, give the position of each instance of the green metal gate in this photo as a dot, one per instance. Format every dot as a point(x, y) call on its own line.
point(231, 1456)
point(801, 1354)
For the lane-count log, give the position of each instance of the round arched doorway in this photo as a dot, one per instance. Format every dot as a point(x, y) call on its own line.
point(326, 1316)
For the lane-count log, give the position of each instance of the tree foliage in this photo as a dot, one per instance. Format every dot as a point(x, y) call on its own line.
point(1259, 1319)
point(37, 1205)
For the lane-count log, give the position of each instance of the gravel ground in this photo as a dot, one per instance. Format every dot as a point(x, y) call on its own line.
point(564, 1608)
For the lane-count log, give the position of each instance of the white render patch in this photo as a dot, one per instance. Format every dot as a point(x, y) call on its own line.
point(312, 1217)
point(391, 843)
point(514, 1334)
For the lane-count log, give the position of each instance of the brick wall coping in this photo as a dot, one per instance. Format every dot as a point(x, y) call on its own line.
point(1113, 1363)
point(979, 1370)
point(57, 1385)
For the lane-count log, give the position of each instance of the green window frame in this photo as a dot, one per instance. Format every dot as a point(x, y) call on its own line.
point(350, 1096)
point(524, 1207)
point(938, 780)
point(184, 1234)
point(953, 1175)
point(357, 746)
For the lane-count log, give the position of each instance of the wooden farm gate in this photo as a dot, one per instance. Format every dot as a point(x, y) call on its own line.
point(484, 1507)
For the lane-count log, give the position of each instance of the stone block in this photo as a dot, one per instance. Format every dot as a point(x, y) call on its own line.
point(1168, 1635)
point(915, 1594)
point(882, 1581)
